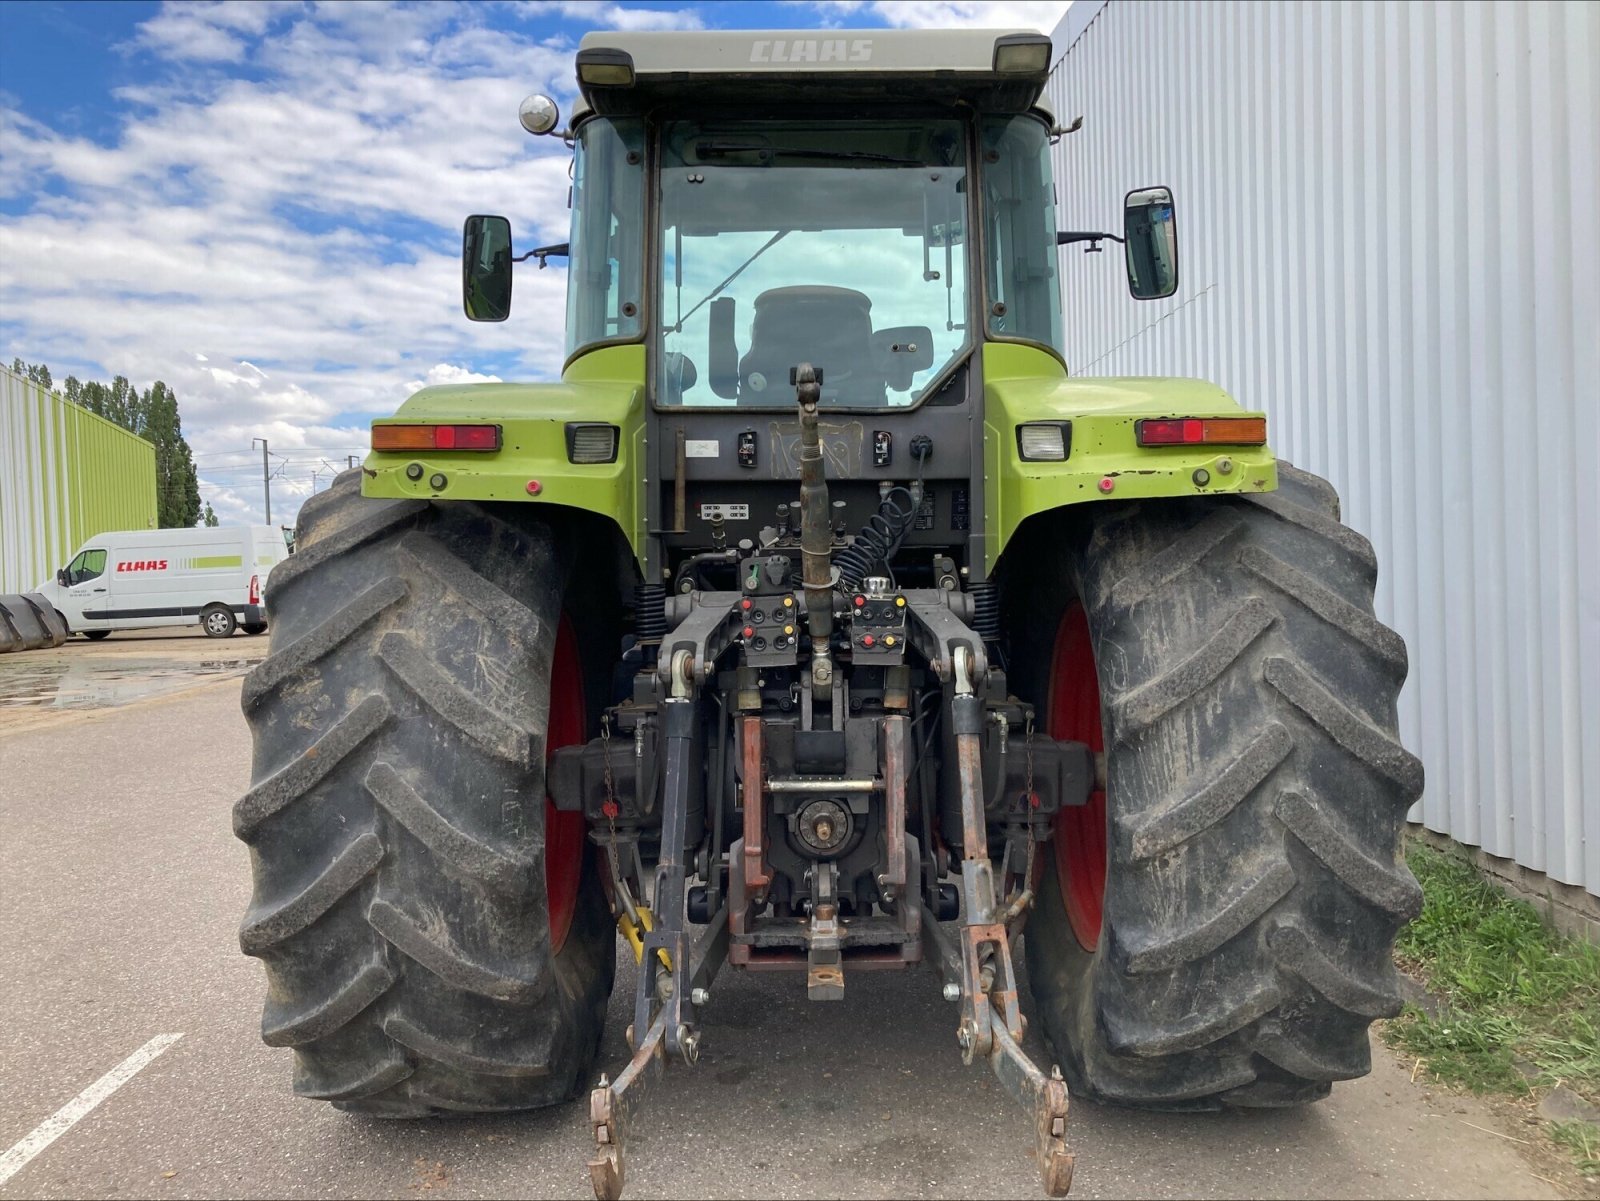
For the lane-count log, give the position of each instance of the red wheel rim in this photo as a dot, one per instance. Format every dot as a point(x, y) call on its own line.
point(1080, 830)
point(564, 833)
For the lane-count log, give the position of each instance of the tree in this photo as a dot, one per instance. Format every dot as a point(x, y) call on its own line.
point(37, 372)
point(210, 517)
point(177, 488)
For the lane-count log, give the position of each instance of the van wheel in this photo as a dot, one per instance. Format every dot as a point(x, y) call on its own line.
point(96, 635)
point(254, 627)
point(218, 621)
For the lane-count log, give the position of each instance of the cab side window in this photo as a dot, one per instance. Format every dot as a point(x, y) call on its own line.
point(87, 566)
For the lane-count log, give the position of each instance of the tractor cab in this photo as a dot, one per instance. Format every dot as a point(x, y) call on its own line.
point(880, 207)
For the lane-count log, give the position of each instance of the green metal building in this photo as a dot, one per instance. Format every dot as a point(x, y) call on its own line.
point(65, 476)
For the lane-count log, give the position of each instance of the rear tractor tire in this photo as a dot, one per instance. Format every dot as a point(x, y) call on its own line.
point(1217, 927)
point(435, 936)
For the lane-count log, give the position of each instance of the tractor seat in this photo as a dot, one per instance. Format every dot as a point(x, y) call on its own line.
point(830, 328)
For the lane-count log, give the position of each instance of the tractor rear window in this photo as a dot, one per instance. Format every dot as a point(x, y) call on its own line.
point(1019, 204)
point(605, 274)
point(830, 243)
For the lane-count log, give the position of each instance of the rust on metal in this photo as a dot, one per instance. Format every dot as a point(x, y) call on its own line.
point(757, 873)
point(894, 806)
point(969, 771)
point(1046, 1097)
point(611, 1107)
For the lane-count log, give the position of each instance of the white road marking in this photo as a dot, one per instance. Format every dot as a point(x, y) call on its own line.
point(75, 1110)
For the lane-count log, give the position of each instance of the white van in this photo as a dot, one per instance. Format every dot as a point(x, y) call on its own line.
point(140, 579)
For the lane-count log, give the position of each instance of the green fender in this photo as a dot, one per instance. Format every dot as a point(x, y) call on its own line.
point(1105, 462)
point(1021, 384)
point(605, 385)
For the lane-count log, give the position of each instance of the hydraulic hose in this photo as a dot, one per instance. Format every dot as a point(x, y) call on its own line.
point(878, 539)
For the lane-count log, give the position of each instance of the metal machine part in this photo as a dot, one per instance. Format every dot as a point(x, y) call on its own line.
point(780, 753)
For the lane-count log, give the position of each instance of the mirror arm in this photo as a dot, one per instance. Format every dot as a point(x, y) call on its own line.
point(1067, 237)
point(1057, 131)
point(560, 250)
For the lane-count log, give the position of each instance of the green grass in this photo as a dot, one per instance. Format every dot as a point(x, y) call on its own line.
point(1515, 993)
point(1582, 1139)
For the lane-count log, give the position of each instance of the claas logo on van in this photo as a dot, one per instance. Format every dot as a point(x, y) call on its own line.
point(143, 565)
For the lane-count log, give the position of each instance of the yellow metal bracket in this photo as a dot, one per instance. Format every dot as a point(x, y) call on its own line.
point(634, 932)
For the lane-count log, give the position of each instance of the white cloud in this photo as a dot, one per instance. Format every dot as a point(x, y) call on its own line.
point(614, 16)
point(1042, 15)
point(283, 249)
point(449, 373)
point(212, 32)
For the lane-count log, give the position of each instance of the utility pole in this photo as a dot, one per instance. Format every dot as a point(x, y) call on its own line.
point(266, 485)
point(349, 462)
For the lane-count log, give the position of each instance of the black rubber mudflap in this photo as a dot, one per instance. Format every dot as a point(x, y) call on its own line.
point(396, 816)
point(1256, 790)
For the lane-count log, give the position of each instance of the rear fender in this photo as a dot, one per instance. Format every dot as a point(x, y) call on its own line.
point(1105, 461)
point(531, 466)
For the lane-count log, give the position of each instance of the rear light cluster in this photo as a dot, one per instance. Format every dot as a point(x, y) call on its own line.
point(436, 437)
point(1201, 431)
point(255, 590)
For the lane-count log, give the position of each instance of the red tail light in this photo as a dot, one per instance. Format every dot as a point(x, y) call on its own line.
point(1200, 431)
point(436, 437)
point(255, 590)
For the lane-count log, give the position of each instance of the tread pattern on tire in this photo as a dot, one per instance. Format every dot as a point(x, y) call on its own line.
point(1257, 788)
point(396, 816)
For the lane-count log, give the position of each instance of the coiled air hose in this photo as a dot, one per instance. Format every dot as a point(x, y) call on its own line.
point(880, 538)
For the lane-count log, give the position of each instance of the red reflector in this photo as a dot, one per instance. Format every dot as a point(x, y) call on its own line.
point(436, 437)
point(1198, 431)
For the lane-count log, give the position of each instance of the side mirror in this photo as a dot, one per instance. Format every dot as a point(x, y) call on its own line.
point(61, 577)
point(722, 359)
point(486, 268)
point(1150, 230)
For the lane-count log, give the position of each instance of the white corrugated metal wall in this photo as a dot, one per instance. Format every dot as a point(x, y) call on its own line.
point(32, 539)
point(1388, 239)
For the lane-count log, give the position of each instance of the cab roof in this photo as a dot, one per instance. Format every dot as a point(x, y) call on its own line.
point(994, 70)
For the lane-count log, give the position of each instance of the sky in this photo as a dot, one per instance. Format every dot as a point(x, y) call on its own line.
point(261, 202)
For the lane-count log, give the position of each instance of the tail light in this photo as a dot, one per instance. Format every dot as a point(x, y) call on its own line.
point(1201, 431)
point(436, 437)
point(255, 590)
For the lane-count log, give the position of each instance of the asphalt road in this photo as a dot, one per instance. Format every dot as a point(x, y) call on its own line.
point(121, 889)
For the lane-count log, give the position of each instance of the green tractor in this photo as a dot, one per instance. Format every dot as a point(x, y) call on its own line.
point(817, 621)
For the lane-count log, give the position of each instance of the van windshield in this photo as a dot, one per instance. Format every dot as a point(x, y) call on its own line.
point(89, 565)
point(830, 243)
